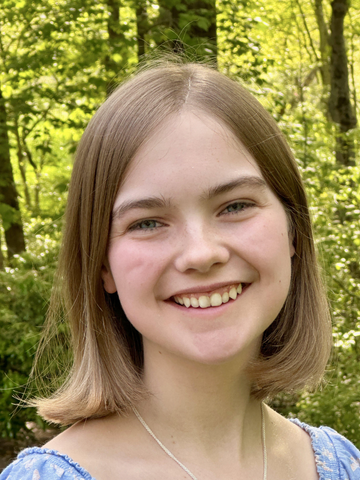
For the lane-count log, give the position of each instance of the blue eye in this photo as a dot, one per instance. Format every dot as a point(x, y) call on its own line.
point(145, 225)
point(237, 207)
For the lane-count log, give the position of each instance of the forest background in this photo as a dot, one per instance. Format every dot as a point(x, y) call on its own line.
point(61, 58)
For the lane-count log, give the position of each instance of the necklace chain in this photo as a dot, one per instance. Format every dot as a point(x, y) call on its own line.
point(191, 475)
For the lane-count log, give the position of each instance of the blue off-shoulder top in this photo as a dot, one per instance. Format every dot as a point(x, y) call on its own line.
point(336, 459)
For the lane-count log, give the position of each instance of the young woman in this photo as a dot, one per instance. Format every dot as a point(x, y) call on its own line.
point(192, 292)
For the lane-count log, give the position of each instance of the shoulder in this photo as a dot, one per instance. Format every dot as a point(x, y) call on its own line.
point(336, 457)
point(44, 464)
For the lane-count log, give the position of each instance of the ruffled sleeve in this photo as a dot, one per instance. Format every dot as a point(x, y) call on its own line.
point(336, 457)
point(44, 464)
point(348, 456)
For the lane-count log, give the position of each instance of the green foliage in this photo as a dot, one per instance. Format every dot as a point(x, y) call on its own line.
point(336, 214)
point(9, 215)
point(334, 196)
point(24, 292)
point(187, 27)
point(241, 52)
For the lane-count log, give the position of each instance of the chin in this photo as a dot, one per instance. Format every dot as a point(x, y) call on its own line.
point(226, 352)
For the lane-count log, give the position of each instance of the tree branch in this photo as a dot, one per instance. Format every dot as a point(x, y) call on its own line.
point(346, 290)
point(307, 30)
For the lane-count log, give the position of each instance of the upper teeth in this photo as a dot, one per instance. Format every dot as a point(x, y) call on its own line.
point(205, 301)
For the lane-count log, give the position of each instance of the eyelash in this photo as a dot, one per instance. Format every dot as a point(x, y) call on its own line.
point(244, 206)
point(137, 225)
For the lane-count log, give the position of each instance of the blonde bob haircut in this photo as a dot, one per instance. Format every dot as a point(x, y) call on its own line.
point(107, 351)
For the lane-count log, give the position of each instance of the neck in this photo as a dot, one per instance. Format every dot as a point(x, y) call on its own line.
point(201, 404)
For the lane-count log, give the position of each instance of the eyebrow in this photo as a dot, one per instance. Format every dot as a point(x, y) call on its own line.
point(159, 202)
point(146, 203)
point(244, 181)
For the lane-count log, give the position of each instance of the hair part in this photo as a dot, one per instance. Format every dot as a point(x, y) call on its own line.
point(106, 373)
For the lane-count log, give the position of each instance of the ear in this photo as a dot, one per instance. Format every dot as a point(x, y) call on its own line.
point(108, 279)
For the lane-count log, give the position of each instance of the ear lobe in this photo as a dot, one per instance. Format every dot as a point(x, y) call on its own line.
point(108, 279)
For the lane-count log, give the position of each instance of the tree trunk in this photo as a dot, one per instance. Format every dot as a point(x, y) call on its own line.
point(324, 43)
point(37, 193)
point(116, 43)
point(37, 169)
point(340, 107)
point(1, 255)
point(14, 234)
point(22, 165)
point(142, 27)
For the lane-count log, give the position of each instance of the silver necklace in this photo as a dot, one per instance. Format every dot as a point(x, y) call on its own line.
point(191, 475)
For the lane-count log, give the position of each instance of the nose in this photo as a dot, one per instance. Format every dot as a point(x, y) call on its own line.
point(200, 249)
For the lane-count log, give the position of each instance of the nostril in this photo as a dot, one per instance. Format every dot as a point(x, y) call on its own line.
point(202, 258)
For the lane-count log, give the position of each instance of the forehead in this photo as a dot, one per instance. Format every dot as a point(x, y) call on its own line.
point(190, 150)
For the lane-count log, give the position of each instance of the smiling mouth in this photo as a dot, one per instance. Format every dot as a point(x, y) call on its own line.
point(213, 299)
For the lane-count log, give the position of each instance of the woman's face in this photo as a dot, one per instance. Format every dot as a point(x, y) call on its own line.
point(194, 224)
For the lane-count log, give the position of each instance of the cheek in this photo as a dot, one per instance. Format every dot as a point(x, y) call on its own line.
point(268, 244)
point(135, 267)
point(269, 252)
